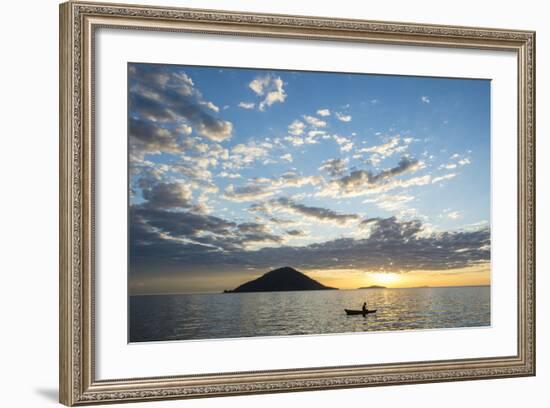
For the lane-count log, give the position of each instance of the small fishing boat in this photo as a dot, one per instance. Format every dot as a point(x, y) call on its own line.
point(359, 312)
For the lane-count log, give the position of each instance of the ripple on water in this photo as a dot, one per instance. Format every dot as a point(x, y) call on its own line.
point(208, 316)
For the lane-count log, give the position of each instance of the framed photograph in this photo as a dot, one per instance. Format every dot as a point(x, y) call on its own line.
point(256, 203)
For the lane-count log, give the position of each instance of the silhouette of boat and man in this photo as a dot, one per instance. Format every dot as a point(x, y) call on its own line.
point(364, 311)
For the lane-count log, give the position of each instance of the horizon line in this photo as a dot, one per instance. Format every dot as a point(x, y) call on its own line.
point(221, 292)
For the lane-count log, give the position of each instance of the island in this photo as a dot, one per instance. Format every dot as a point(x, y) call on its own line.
point(279, 280)
point(373, 287)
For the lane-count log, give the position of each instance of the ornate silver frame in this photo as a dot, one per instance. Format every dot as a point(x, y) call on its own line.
point(78, 22)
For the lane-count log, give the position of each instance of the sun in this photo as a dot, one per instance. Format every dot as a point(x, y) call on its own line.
point(384, 277)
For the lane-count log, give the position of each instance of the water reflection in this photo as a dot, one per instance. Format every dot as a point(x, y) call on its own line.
point(211, 316)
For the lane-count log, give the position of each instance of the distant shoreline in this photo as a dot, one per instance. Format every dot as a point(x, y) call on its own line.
point(218, 292)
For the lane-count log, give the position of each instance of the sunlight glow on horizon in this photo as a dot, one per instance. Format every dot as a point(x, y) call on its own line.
point(384, 277)
point(477, 275)
point(345, 279)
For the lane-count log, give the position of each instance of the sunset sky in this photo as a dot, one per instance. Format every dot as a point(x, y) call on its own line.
point(355, 180)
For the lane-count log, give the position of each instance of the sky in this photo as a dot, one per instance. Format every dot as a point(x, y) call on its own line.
point(353, 179)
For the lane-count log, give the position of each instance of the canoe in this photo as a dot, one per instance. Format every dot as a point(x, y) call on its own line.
point(359, 312)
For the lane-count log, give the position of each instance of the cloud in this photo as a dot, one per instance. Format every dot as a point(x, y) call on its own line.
point(476, 225)
point(217, 131)
point(168, 195)
point(369, 221)
point(189, 240)
point(246, 105)
point(262, 188)
point(405, 164)
point(334, 167)
point(342, 117)
point(202, 162)
point(323, 112)
point(453, 215)
point(185, 129)
point(387, 149)
point(295, 140)
point(378, 153)
point(245, 154)
point(318, 213)
point(361, 182)
point(270, 88)
point(162, 94)
point(184, 224)
point(313, 136)
point(443, 178)
point(149, 137)
point(386, 229)
point(249, 192)
point(458, 161)
point(296, 128)
point(315, 122)
point(388, 202)
point(274, 220)
point(171, 236)
point(225, 174)
point(193, 167)
point(252, 150)
point(259, 84)
point(292, 179)
point(210, 106)
point(345, 144)
point(258, 238)
point(316, 133)
point(296, 233)
point(287, 157)
point(425, 99)
point(253, 228)
point(193, 171)
point(194, 145)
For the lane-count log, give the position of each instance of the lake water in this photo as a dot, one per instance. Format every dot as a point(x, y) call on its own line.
point(217, 315)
